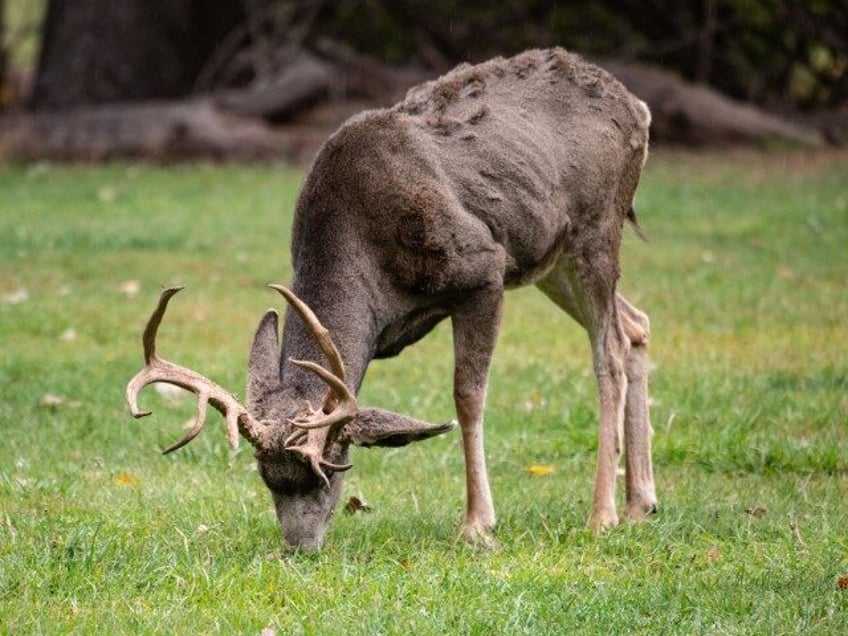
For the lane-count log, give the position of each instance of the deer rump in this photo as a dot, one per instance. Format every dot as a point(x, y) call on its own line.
point(511, 172)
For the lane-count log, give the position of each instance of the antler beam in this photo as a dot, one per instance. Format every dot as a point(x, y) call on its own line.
point(156, 369)
point(320, 426)
point(340, 405)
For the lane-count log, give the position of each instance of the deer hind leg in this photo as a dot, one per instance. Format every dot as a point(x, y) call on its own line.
point(639, 480)
point(475, 329)
point(591, 302)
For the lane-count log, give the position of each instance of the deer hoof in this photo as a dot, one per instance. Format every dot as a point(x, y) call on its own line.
point(601, 521)
point(479, 536)
point(640, 510)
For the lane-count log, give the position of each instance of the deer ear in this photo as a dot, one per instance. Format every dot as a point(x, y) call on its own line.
point(376, 427)
point(263, 367)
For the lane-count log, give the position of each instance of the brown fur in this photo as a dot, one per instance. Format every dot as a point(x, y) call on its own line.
point(511, 172)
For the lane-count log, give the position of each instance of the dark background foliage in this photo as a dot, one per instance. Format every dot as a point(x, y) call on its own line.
point(766, 51)
point(775, 53)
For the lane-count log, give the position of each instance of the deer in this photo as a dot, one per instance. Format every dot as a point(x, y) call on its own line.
point(511, 172)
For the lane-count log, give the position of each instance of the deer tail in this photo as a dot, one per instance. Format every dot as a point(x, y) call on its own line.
point(631, 216)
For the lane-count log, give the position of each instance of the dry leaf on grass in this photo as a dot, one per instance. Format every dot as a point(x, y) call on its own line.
point(16, 297)
point(106, 194)
point(126, 479)
point(712, 555)
point(842, 582)
point(355, 504)
point(540, 470)
point(785, 272)
point(129, 288)
point(51, 400)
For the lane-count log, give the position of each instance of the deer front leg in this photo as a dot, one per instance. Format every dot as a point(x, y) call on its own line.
point(641, 495)
point(609, 349)
point(475, 330)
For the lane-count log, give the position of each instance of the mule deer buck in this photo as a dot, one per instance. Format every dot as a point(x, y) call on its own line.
point(511, 172)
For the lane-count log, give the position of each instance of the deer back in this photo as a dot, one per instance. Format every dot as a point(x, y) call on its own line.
point(509, 152)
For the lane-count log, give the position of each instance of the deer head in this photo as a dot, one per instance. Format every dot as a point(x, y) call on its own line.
point(301, 450)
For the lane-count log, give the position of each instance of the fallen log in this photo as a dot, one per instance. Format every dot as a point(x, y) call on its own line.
point(301, 84)
point(154, 131)
point(691, 114)
point(289, 116)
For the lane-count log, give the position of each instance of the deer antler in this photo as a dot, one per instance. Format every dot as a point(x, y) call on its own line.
point(156, 369)
point(339, 405)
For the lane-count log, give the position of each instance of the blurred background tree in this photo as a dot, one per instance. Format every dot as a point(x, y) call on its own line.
point(96, 51)
point(770, 52)
point(760, 50)
point(268, 62)
point(4, 63)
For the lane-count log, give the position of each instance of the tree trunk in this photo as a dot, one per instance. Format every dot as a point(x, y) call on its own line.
point(4, 61)
point(98, 51)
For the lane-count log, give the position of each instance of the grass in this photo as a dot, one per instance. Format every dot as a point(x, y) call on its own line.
point(746, 281)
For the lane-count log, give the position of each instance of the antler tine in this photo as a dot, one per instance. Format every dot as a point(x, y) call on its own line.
point(318, 464)
point(156, 369)
point(148, 343)
point(331, 414)
point(319, 331)
point(148, 338)
point(346, 407)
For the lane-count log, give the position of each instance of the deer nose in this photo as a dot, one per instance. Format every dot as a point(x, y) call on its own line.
point(304, 542)
point(303, 525)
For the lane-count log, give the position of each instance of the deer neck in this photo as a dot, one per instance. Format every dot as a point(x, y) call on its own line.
point(351, 324)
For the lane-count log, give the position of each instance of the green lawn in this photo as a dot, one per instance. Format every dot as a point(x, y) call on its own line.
point(745, 277)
